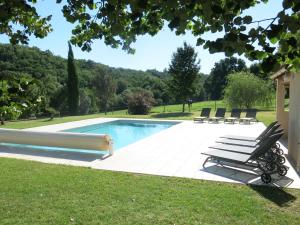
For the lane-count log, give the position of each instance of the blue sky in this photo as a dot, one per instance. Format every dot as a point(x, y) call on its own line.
point(151, 52)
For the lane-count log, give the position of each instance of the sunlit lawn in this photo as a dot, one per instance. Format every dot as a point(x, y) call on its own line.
point(266, 115)
point(36, 193)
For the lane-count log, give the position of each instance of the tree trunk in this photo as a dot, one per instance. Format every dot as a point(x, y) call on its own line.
point(2, 121)
point(183, 107)
point(105, 109)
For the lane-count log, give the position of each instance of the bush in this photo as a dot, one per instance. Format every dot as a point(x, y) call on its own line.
point(84, 103)
point(245, 90)
point(140, 102)
point(51, 112)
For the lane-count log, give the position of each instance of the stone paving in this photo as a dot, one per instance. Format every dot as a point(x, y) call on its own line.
point(175, 151)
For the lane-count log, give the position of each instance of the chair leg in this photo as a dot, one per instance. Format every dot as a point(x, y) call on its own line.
point(206, 160)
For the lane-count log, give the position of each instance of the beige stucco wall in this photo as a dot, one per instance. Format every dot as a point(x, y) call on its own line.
point(294, 121)
point(282, 116)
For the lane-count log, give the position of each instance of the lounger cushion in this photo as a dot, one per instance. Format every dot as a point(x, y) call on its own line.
point(234, 148)
point(237, 142)
point(239, 137)
point(200, 118)
point(228, 156)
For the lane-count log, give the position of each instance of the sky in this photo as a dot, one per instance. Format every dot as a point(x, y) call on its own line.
point(151, 52)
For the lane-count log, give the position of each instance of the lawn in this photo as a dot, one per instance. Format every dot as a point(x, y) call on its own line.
point(266, 115)
point(36, 193)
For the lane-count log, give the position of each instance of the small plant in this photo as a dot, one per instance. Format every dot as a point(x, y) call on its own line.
point(140, 102)
point(51, 112)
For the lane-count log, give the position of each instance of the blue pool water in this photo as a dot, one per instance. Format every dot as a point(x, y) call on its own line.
point(125, 132)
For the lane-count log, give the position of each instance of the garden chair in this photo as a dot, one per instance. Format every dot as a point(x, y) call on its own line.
point(255, 160)
point(220, 114)
point(246, 138)
point(249, 143)
point(234, 116)
point(204, 115)
point(250, 116)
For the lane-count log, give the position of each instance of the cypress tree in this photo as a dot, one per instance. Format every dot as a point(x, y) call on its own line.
point(73, 88)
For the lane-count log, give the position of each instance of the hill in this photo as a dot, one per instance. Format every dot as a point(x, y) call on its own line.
point(51, 71)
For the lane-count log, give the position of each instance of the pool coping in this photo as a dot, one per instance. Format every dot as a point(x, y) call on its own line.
point(88, 122)
point(175, 152)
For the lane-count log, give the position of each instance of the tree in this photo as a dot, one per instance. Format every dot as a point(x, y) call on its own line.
point(17, 94)
point(73, 87)
point(105, 89)
point(140, 102)
point(120, 22)
point(183, 69)
point(256, 69)
point(214, 85)
point(245, 90)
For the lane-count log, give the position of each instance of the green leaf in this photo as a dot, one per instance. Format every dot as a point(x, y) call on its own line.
point(237, 20)
point(247, 20)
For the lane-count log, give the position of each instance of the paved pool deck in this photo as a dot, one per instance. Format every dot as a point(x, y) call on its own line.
point(175, 151)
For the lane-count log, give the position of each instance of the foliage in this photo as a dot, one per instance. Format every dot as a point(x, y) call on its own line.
point(105, 89)
point(27, 19)
point(266, 114)
point(52, 112)
point(18, 93)
point(245, 90)
point(84, 103)
point(73, 88)
point(140, 102)
point(256, 69)
point(214, 85)
point(183, 69)
point(120, 22)
point(51, 74)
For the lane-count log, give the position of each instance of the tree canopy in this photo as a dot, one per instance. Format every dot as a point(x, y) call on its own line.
point(119, 22)
point(214, 85)
point(183, 69)
point(244, 90)
point(72, 84)
point(50, 73)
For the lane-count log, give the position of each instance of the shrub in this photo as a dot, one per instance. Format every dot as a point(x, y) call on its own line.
point(140, 102)
point(245, 90)
point(84, 103)
point(51, 112)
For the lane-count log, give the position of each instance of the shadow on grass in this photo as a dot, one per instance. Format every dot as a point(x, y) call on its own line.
point(173, 114)
point(47, 120)
point(274, 194)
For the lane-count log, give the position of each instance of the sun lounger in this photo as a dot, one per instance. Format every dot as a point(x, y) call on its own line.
point(244, 148)
point(250, 143)
point(250, 116)
point(246, 138)
point(220, 114)
point(204, 115)
point(234, 116)
point(254, 160)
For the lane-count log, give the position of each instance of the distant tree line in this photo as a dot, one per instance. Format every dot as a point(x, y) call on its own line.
point(102, 88)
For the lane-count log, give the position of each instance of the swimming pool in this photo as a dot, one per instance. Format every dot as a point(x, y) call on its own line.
point(125, 132)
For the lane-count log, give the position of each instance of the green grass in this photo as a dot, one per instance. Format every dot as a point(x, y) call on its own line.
point(36, 193)
point(266, 115)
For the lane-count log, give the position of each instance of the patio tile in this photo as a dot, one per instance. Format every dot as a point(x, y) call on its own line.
point(172, 152)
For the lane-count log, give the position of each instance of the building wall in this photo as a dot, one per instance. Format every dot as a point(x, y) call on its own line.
point(294, 121)
point(282, 116)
